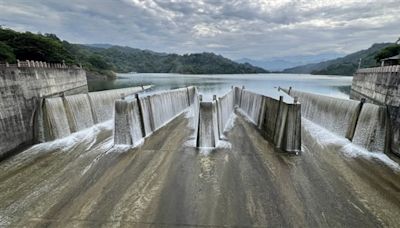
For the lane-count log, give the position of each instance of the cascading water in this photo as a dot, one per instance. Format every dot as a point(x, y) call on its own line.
point(79, 112)
point(153, 112)
point(55, 119)
point(103, 102)
point(334, 114)
point(251, 103)
point(226, 109)
point(129, 130)
point(371, 128)
point(165, 106)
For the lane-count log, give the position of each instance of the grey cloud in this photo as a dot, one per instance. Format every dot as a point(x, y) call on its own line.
point(236, 28)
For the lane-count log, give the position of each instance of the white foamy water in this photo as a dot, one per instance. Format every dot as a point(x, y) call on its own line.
point(79, 112)
point(332, 113)
point(326, 138)
point(56, 118)
point(104, 100)
point(371, 128)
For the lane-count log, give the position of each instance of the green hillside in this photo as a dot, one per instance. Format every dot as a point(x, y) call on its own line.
point(343, 66)
point(104, 60)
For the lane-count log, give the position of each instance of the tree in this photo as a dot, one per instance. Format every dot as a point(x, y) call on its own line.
point(387, 52)
point(6, 53)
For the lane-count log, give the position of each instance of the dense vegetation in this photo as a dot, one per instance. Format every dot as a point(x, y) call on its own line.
point(387, 52)
point(346, 65)
point(104, 60)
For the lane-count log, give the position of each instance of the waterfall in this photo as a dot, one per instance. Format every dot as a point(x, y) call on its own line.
point(334, 114)
point(151, 113)
point(79, 112)
point(371, 128)
point(226, 105)
point(56, 121)
point(102, 102)
point(251, 103)
point(163, 107)
point(129, 130)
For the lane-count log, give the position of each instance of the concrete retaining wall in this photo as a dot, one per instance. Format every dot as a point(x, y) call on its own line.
point(149, 113)
point(21, 89)
point(380, 85)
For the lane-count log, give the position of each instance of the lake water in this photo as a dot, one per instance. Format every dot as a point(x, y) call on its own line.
point(208, 85)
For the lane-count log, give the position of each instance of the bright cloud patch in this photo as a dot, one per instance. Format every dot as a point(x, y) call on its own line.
point(236, 28)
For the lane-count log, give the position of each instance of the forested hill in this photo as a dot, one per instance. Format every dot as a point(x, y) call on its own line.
point(104, 60)
point(343, 66)
point(126, 59)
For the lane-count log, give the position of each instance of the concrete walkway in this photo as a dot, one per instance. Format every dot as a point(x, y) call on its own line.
point(167, 183)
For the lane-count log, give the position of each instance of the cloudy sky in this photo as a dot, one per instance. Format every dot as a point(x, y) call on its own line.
point(235, 28)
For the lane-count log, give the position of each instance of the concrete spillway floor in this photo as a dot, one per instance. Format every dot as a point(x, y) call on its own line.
point(86, 182)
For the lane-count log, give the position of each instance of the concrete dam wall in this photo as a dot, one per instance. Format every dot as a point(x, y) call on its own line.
point(61, 116)
point(363, 124)
point(380, 85)
point(21, 88)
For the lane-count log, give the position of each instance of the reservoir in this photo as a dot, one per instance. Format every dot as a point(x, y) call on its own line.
point(208, 85)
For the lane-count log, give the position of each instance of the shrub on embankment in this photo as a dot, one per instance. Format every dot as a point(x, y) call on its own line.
point(49, 48)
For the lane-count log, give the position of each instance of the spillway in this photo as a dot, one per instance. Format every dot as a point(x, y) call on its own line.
point(334, 114)
point(225, 107)
point(56, 119)
point(104, 100)
point(79, 112)
point(370, 132)
point(149, 112)
point(86, 180)
point(68, 114)
point(283, 130)
point(251, 103)
point(364, 124)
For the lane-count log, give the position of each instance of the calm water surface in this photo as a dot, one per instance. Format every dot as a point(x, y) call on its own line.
point(337, 86)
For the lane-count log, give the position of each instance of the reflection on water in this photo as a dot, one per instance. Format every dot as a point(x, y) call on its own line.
point(337, 86)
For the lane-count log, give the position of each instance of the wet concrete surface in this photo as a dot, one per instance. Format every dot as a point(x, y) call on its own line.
point(168, 183)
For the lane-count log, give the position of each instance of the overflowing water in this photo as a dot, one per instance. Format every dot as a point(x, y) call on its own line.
point(226, 109)
point(336, 115)
point(56, 117)
point(79, 112)
point(166, 105)
point(371, 128)
point(104, 100)
point(251, 104)
point(137, 118)
point(363, 124)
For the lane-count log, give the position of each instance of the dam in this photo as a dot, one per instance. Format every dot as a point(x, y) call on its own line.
point(140, 158)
